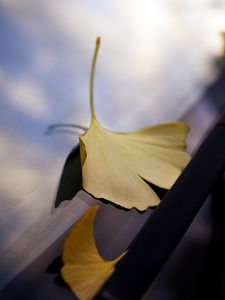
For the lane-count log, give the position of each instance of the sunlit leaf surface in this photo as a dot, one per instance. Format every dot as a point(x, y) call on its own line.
point(115, 166)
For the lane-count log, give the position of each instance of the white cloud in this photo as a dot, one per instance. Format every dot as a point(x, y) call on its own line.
point(142, 43)
point(25, 95)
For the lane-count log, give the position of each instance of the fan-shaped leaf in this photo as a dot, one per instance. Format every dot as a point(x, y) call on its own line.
point(84, 270)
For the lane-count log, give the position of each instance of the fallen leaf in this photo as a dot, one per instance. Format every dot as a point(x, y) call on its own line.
point(115, 166)
point(84, 270)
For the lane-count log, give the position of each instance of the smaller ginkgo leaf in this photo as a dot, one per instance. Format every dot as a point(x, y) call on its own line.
point(84, 270)
point(116, 166)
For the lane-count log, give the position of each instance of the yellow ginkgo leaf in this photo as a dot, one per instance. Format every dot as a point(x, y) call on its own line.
point(115, 166)
point(84, 269)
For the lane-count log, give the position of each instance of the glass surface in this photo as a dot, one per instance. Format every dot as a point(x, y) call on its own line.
point(156, 60)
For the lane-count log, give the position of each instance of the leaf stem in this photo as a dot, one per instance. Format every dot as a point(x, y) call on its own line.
point(97, 45)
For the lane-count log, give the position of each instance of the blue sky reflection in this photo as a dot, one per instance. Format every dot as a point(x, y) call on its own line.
point(154, 63)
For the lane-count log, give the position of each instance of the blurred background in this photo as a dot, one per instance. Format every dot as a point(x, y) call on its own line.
point(156, 60)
